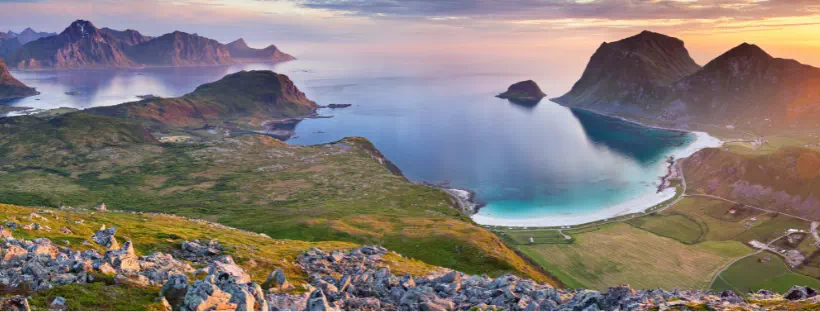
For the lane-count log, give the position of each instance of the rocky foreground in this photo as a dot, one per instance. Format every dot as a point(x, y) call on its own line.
point(357, 279)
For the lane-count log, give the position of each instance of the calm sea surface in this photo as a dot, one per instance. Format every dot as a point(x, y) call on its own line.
point(439, 122)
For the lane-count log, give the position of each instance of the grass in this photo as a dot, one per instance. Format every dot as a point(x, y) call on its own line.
point(332, 192)
point(784, 180)
point(538, 237)
point(752, 273)
point(676, 226)
point(621, 254)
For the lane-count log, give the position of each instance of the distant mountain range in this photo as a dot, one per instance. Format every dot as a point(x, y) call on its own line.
point(10, 87)
point(652, 76)
point(28, 35)
point(83, 45)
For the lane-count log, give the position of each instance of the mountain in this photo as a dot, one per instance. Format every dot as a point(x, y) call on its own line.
point(80, 45)
point(12, 88)
point(630, 71)
point(247, 99)
point(180, 49)
point(651, 76)
point(83, 45)
point(747, 87)
point(8, 45)
point(128, 36)
point(242, 52)
point(29, 35)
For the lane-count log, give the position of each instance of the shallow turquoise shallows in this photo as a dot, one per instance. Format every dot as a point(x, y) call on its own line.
point(439, 123)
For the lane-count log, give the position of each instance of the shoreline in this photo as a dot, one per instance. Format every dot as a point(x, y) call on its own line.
point(632, 206)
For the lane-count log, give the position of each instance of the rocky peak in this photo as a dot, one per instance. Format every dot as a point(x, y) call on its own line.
point(238, 43)
point(744, 55)
point(79, 29)
point(630, 71)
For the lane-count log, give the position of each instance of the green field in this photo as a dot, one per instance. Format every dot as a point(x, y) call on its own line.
point(684, 245)
point(752, 274)
point(621, 254)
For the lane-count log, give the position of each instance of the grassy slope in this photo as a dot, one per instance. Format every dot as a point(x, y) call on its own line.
point(328, 192)
point(786, 179)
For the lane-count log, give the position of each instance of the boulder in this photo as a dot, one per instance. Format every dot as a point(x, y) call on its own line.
point(204, 295)
point(58, 304)
point(317, 302)
point(276, 279)
point(174, 290)
point(226, 265)
point(800, 293)
point(105, 237)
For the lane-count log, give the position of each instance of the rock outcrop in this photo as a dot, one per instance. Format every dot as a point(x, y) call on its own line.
point(40, 264)
point(10, 87)
point(523, 92)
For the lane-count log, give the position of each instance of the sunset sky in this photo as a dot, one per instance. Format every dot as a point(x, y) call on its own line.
point(501, 28)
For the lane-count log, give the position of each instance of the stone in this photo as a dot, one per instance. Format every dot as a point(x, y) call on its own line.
point(13, 252)
point(226, 265)
point(44, 247)
point(58, 304)
point(174, 290)
point(800, 293)
point(276, 279)
point(124, 259)
point(317, 302)
point(105, 237)
point(287, 302)
point(204, 295)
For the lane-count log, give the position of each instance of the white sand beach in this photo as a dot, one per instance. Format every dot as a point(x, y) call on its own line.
point(640, 204)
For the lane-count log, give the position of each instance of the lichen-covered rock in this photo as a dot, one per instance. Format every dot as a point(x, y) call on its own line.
point(105, 237)
point(276, 279)
point(174, 290)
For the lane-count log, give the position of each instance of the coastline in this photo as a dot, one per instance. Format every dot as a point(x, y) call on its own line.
point(636, 205)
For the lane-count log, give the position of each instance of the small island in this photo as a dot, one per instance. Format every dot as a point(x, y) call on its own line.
point(335, 106)
point(526, 92)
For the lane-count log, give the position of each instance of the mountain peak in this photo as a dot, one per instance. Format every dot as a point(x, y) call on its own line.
point(80, 28)
point(746, 49)
point(238, 43)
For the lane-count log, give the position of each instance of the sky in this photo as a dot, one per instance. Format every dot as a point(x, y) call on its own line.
point(564, 32)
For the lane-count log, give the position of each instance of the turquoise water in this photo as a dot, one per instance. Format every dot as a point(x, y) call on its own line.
point(439, 122)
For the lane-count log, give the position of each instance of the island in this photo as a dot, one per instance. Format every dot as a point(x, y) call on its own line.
point(524, 92)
